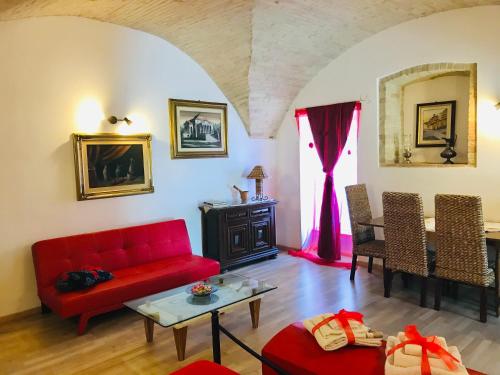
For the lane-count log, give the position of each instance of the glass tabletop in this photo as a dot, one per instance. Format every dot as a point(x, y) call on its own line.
point(177, 305)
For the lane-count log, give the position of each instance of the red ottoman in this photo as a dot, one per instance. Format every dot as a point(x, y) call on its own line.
point(204, 367)
point(295, 351)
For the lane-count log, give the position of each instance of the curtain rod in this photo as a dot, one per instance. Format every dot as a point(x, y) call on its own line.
point(360, 100)
point(323, 105)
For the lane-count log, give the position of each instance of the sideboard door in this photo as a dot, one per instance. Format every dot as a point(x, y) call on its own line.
point(261, 234)
point(238, 240)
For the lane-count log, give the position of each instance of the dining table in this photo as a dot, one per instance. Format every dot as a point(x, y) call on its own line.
point(491, 229)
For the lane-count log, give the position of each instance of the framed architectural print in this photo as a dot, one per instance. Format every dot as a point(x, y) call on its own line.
point(110, 165)
point(435, 122)
point(197, 129)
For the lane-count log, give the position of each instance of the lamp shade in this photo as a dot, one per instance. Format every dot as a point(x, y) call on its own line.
point(257, 173)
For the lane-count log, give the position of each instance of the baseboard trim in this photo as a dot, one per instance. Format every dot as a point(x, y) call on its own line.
point(20, 315)
point(287, 248)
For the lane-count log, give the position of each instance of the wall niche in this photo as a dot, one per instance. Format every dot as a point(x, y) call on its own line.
point(412, 118)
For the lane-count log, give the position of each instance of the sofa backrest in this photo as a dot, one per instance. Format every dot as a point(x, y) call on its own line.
point(111, 249)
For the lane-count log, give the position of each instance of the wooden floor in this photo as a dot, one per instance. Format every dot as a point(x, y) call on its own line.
point(115, 343)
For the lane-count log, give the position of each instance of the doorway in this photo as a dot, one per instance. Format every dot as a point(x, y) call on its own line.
point(312, 180)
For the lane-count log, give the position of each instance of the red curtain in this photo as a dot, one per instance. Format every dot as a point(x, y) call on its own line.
point(330, 126)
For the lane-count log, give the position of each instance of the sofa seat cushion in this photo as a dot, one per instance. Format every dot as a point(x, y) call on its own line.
point(130, 283)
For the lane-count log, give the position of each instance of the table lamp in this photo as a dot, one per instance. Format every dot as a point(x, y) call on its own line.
point(258, 175)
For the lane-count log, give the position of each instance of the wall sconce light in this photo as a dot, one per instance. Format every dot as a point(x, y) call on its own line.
point(113, 120)
point(497, 106)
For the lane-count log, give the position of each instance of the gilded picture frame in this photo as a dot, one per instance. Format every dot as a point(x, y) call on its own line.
point(197, 129)
point(435, 122)
point(111, 165)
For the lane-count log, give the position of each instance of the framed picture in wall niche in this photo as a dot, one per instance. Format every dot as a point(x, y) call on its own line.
point(110, 165)
point(197, 129)
point(435, 122)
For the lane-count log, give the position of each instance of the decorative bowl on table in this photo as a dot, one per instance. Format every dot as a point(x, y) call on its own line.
point(202, 289)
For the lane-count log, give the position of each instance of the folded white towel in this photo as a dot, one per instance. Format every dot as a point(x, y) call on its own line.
point(393, 370)
point(331, 336)
point(406, 364)
point(405, 360)
point(416, 350)
point(332, 327)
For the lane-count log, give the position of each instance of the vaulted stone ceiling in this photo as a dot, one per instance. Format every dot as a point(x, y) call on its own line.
point(259, 52)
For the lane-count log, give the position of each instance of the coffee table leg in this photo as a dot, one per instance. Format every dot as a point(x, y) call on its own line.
point(255, 312)
point(149, 326)
point(180, 336)
point(216, 337)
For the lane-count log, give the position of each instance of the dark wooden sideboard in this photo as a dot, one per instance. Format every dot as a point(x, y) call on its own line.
point(234, 235)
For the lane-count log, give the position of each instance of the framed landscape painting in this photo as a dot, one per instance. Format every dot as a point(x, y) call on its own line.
point(109, 165)
point(435, 122)
point(197, 129)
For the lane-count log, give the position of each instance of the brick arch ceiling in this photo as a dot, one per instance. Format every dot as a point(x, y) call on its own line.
point(259, 52)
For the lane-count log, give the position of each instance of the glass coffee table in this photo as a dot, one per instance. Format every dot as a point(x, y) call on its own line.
point(177, 308)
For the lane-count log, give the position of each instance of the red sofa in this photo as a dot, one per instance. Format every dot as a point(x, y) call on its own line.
point(144, 259)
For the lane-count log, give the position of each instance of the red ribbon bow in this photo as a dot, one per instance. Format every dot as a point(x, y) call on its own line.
point(342, 318)
point(428, 344)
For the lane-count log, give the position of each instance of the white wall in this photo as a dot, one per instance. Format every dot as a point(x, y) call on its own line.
point(49, 68)
point(452, 87)
point(462, 36)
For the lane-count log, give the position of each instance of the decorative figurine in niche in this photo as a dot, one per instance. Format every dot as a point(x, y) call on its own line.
point(407, 149)
point(258, 175)
point(449, 152)
point(407, 155)
point(243, 194)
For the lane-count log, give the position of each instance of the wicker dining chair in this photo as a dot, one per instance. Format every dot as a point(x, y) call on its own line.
point(461, 253)
point(363, 237)
point(405, 240)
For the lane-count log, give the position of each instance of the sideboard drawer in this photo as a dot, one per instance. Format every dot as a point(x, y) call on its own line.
point(236, 215)
point(260, 211)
